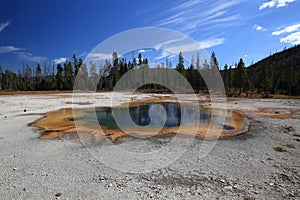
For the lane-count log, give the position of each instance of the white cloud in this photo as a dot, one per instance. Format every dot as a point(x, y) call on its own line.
point(275, 3)
point(211, 43)
point(259, 28)
point(288, 29)
point(9, 49)
point(3, 26)
point(293, 39)
point(30, 57)
point(99, 56)
point(283, 3)
point(59, 60)
point(269, 4)
point(144, 50)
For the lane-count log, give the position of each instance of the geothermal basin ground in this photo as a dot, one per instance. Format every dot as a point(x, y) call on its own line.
point(261, 163)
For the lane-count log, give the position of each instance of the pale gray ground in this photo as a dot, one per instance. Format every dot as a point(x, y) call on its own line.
point(242, 167)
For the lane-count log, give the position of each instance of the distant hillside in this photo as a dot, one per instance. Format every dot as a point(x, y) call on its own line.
point(278, 73)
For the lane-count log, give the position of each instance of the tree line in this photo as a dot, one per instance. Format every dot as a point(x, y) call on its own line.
point(276, 74)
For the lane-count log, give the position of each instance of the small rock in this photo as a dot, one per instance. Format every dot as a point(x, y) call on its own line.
point(222, 181)
point(288, 128)
point(24, 189)
point(58, 194)
point(102, 178)
point(271, 184)
point(234, 186)
point(108, 185)
point(280, 149)
point(15, 169)
point(25, 110)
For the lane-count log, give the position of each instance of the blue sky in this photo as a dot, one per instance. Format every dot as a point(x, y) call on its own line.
point(34, 31)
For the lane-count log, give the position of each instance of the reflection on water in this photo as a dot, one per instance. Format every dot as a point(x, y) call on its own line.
point(152, 115)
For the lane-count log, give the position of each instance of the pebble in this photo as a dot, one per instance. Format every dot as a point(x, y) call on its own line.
point(288, 128)
point(102, 178)
point(58, 194)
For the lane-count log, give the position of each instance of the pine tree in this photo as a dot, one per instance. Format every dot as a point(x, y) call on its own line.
point(114, 73)
point(94, 76)
point(68, 79)
point(180, 65)
point(229, 81)
point(240, 76)
point(265, 81)
point(38, 77)
point(225, 78)
point(140, 59)
point(76, 64)
point(59, 77)
point(28, 77)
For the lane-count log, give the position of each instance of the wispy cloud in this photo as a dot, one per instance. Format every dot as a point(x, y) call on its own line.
point(211, 42)
point(30, 57)
point(59, 60)
point(259, 28)
point(9, 49)
point(99, 56)
point(3, 26)
point(171, 48)
point(22, 53)
point(175, 46)
point(275, 3)
point(288, 29)
point(293, 38)
point(191, 15)
point(165, 54)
